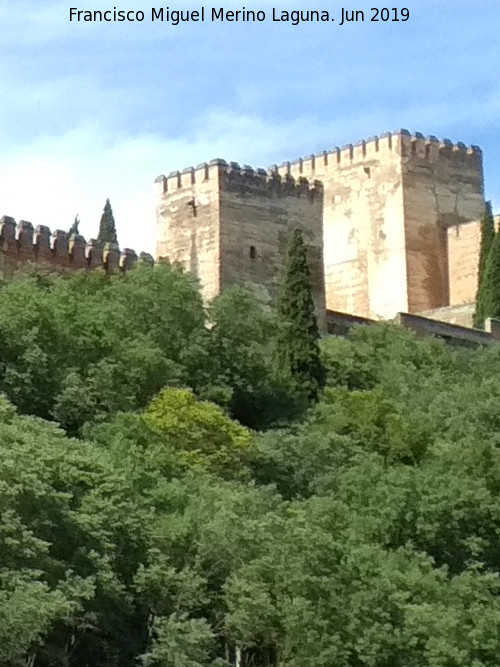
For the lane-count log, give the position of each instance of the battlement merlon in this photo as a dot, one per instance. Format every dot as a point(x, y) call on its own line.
point(233, 176)
point(22, 243)
point(400, 142)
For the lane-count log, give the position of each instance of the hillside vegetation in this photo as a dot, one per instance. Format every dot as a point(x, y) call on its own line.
point(169, 497)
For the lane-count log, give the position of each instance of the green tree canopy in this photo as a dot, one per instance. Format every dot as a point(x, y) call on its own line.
point(199, 433)
point(242, 343)
point(75, 347)
point(107, 227)
point(167, 534)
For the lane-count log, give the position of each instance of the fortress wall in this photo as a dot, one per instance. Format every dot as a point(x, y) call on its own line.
point(22, 245)
point(364, 243)
point(188, 229)
point(443, 189)
point(464, 241)
point(258, 212)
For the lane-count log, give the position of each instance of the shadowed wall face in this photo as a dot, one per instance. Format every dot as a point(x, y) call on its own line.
point(258, 214)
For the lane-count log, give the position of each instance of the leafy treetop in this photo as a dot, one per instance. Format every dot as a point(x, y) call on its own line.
point(107, 227)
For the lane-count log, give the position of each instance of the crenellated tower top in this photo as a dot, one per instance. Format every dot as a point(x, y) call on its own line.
point(400, 143)
point(232, 176)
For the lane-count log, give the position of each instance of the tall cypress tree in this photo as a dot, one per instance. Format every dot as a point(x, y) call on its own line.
point(73, 230)
point(491, 287)
point(487, 237)
point(107, 227)
point(298, 345)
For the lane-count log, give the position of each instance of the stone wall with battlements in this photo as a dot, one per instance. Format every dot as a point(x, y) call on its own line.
point(22, 245)
point(230, 224)
point(388, 204)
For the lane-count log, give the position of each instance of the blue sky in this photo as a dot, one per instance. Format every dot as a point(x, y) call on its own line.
point(91, 110)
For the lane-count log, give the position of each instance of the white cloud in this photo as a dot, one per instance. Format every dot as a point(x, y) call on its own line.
point(49, 180)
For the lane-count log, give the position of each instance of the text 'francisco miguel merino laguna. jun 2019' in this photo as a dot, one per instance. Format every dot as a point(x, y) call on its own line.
point(175, 17)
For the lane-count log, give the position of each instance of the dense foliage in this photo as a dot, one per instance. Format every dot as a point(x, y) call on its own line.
point(167, 534)
point(78, 348)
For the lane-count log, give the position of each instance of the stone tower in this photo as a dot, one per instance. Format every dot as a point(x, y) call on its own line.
point(390, 223)
point(228, 224)
point(396, 222)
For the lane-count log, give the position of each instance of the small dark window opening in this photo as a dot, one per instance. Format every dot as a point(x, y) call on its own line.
point(253, 252)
